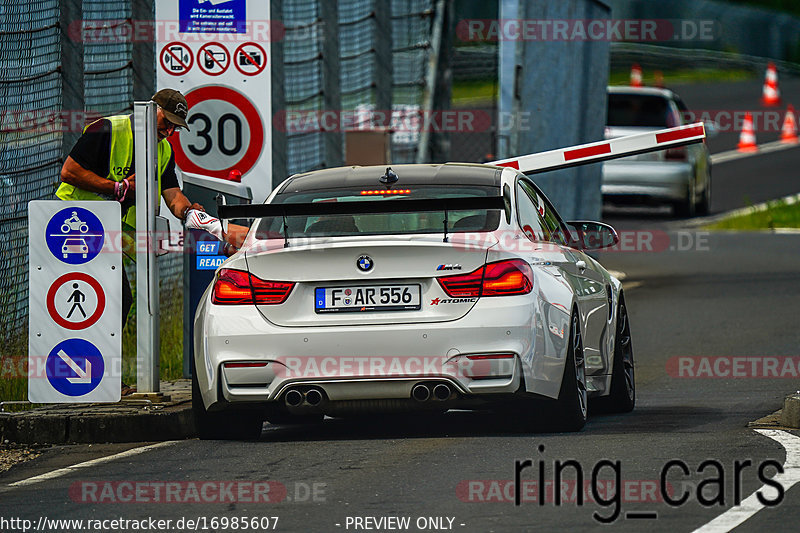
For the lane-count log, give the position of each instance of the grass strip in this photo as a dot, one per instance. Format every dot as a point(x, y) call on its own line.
point(776, 214)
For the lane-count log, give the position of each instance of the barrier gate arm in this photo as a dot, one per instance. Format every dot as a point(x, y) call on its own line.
point(604, 150)
point(552, 160)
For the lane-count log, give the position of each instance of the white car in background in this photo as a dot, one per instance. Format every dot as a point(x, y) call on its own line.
point(431, 287)
point(680, 177)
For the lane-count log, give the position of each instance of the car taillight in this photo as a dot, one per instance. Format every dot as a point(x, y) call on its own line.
point(235, 287)
point(503, 278)
point(677, 154)
point(244, 365)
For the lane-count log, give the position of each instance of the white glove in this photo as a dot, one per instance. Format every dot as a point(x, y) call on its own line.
point(199, 220)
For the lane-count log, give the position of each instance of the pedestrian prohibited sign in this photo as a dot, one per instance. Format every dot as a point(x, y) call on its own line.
point(75, 301)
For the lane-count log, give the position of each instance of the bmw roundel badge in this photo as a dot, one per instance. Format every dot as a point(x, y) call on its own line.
point(364, 263)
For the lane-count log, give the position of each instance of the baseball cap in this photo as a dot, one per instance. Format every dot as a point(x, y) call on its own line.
point(174, 105)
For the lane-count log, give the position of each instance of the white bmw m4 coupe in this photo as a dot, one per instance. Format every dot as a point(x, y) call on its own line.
point(416, 288)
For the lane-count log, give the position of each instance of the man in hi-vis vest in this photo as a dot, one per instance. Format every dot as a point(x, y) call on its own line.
point(101, 167)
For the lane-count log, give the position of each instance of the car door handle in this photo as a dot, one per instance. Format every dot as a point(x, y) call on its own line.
point(581, 265)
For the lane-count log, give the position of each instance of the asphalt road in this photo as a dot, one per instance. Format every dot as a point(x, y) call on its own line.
point(699, 296)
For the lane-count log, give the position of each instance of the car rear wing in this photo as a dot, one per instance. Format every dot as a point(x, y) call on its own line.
point(604, 150)
point(469, 203)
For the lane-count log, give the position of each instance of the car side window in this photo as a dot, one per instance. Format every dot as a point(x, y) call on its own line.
point(683, 111)
point(545, 213)
point(552, 223)
point(529, 219)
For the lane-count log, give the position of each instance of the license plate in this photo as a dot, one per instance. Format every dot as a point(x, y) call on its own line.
point(367, 298)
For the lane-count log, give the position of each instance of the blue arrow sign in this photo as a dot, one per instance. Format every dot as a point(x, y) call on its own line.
point(75, 235)
point(75, 367)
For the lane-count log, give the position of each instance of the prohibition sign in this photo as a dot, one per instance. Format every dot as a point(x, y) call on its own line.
point(248, 58)
point(176, 58)
point(251, 115)
point(213, 56)
point(66, 278)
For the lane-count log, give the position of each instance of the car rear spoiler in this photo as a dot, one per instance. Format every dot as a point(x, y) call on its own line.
point(362, 207)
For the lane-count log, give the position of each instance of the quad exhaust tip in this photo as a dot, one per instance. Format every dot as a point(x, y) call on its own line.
point(313, 397)
point(294, 398)
point(441, 392)
point(298, 398)
point(421, 392)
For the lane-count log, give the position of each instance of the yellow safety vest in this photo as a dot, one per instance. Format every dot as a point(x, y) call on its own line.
point(119, 163)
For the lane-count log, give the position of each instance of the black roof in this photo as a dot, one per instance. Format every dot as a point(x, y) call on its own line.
point(440, 174)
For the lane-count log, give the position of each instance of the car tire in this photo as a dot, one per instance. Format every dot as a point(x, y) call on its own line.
point(223, 425)
point(572, 408)
point(686, 207)
point(704, 205)
point(622, 398)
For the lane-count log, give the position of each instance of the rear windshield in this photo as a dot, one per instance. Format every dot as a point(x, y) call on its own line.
point(381, 223)
point(642, 110)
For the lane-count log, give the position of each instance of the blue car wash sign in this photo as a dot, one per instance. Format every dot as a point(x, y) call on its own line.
point(74, 235)
point(212, 16)
point(208, 257)
point(75, 367)
point(74, 301)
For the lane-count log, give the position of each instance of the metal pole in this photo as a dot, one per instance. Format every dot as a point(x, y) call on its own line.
point(423, 150)
point(72, 97)
point(147, 327)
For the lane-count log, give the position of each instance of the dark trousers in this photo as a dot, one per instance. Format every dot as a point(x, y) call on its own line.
point(127, 297)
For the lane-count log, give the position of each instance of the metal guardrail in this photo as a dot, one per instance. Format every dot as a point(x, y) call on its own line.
point(480, 62)
point(665, 57)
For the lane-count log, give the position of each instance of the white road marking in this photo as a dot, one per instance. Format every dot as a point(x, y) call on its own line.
point(632, 285)
point(735, 516)
point(732, 155)
point(66, 470)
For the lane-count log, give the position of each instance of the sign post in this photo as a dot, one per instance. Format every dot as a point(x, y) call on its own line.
point(217, 55)
point(147, 198)
point(75, 282)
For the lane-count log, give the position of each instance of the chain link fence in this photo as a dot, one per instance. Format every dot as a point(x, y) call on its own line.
point(475, 92)
point(108, 63)
point(30, 141)
point(340, 56)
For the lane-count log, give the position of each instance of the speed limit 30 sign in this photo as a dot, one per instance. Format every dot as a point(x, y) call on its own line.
point(219, 59)
point(225, 133)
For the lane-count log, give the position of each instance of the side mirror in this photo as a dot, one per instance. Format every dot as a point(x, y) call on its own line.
point(712, 128)
point(589, 235)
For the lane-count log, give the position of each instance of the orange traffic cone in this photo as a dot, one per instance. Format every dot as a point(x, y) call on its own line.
point(771, 95)
point(636, 75)
point(789, 129)
point(747, 140)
